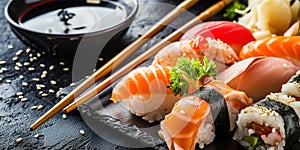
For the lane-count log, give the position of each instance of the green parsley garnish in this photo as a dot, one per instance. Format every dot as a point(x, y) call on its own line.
point(230, 10)
point(189, 72)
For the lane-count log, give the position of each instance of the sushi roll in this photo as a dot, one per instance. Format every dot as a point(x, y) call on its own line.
point(292, 87)
point(199, 117)
point(272, 123)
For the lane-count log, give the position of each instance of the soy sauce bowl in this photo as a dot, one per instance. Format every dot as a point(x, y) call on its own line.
point(68, 30)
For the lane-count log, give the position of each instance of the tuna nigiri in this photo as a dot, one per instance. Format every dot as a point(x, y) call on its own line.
point(277, 46)
point(221, 53)
point(197, 118)
point(146, 93)
point(229, 32)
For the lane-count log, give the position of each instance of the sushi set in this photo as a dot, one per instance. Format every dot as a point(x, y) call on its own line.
point(236, 81)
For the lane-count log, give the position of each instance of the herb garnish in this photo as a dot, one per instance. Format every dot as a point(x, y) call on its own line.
point(190, 72)
point(230, 11)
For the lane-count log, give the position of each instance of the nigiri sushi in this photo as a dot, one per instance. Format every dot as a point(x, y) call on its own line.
point(222, 54)
point(233, 34)
point(277, 46)
point(258, 76)
point(145, 91)
point(199, 117)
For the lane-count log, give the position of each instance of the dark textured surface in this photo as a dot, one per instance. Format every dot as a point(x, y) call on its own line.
point(59, 133)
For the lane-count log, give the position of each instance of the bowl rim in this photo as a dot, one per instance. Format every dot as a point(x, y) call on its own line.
point(126, 20)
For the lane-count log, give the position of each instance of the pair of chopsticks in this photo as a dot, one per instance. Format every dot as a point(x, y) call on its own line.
point(118, 59)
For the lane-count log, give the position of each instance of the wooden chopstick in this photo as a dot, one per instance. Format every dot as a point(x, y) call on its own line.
point(105, 69)
point(149, 53)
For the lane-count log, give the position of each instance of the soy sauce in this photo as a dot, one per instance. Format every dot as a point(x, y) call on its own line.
point(76, 20)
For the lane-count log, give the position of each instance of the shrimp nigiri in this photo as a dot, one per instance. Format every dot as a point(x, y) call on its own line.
point(146, 93)
point(194, 118)
point(221, 53)
point(277, 46)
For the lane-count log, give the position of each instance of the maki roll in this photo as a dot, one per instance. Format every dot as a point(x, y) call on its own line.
point(272, 123)
point(200, 116)
point(292, 87)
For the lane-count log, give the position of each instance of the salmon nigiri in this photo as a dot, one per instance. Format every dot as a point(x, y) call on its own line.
point(277, 46)
point(196, 118)
point(216, 50)
point(146, 93)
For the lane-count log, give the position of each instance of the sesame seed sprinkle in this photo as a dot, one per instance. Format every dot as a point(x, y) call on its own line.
point(19, 140)
point(10, 46)
point(19, 52)
point(31, 69)
point(72, 84)
point(8, 81)
point(28, 50)
point(19, 93)
point(26, 63)
point(19, 64)
point(53, 82)
point(38, 54)
point(36, 136)
point(33, 107)
point(17, 68)
point(24, 99)
point(62, 63)
point(40, 107)
point(35, 79)
point(44, 94)
point(14, 58)
point(21, 76)
point(51, 91)
point(42, 65)
point(24, 83)
point(66, 69)
point(2, 62)
point(51, 67)
point(64, 116)
point(81, 132)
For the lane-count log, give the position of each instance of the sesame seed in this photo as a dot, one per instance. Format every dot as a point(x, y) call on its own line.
point(19, 52)
point(8, 81)
point(40, 107)
point(1, 79)
point(33, 107)
point(19, 140)
point(43, 52)
point(21, 76)
point(4, 69)
point(24, 99)
point(45, 72)
point(30, 55)
point(43, 76)
point(51, 91)
point(2, 62)
point(19, 64)
point(72, 84)
point(62, 63)
point(64, 116)
point(31, 69)
point(40, 85)
point(34, 58)
point(44, 94)
point(26, 63)
point(14, 58)
point(42, 65)
point(61, 88)
point(51, 67)
point(36, 136)
point(41, 92)
point(35, 79)
point(31, 59)
point(66, 69)
point(100, 59)
point(21, 96)
point(28, 50)
point(38, 54)
point(19, 93)
point(53, 82)
point(17, 68)
point(10, 46)
point(38, 88)
point(81, 132)
point(1, 71)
